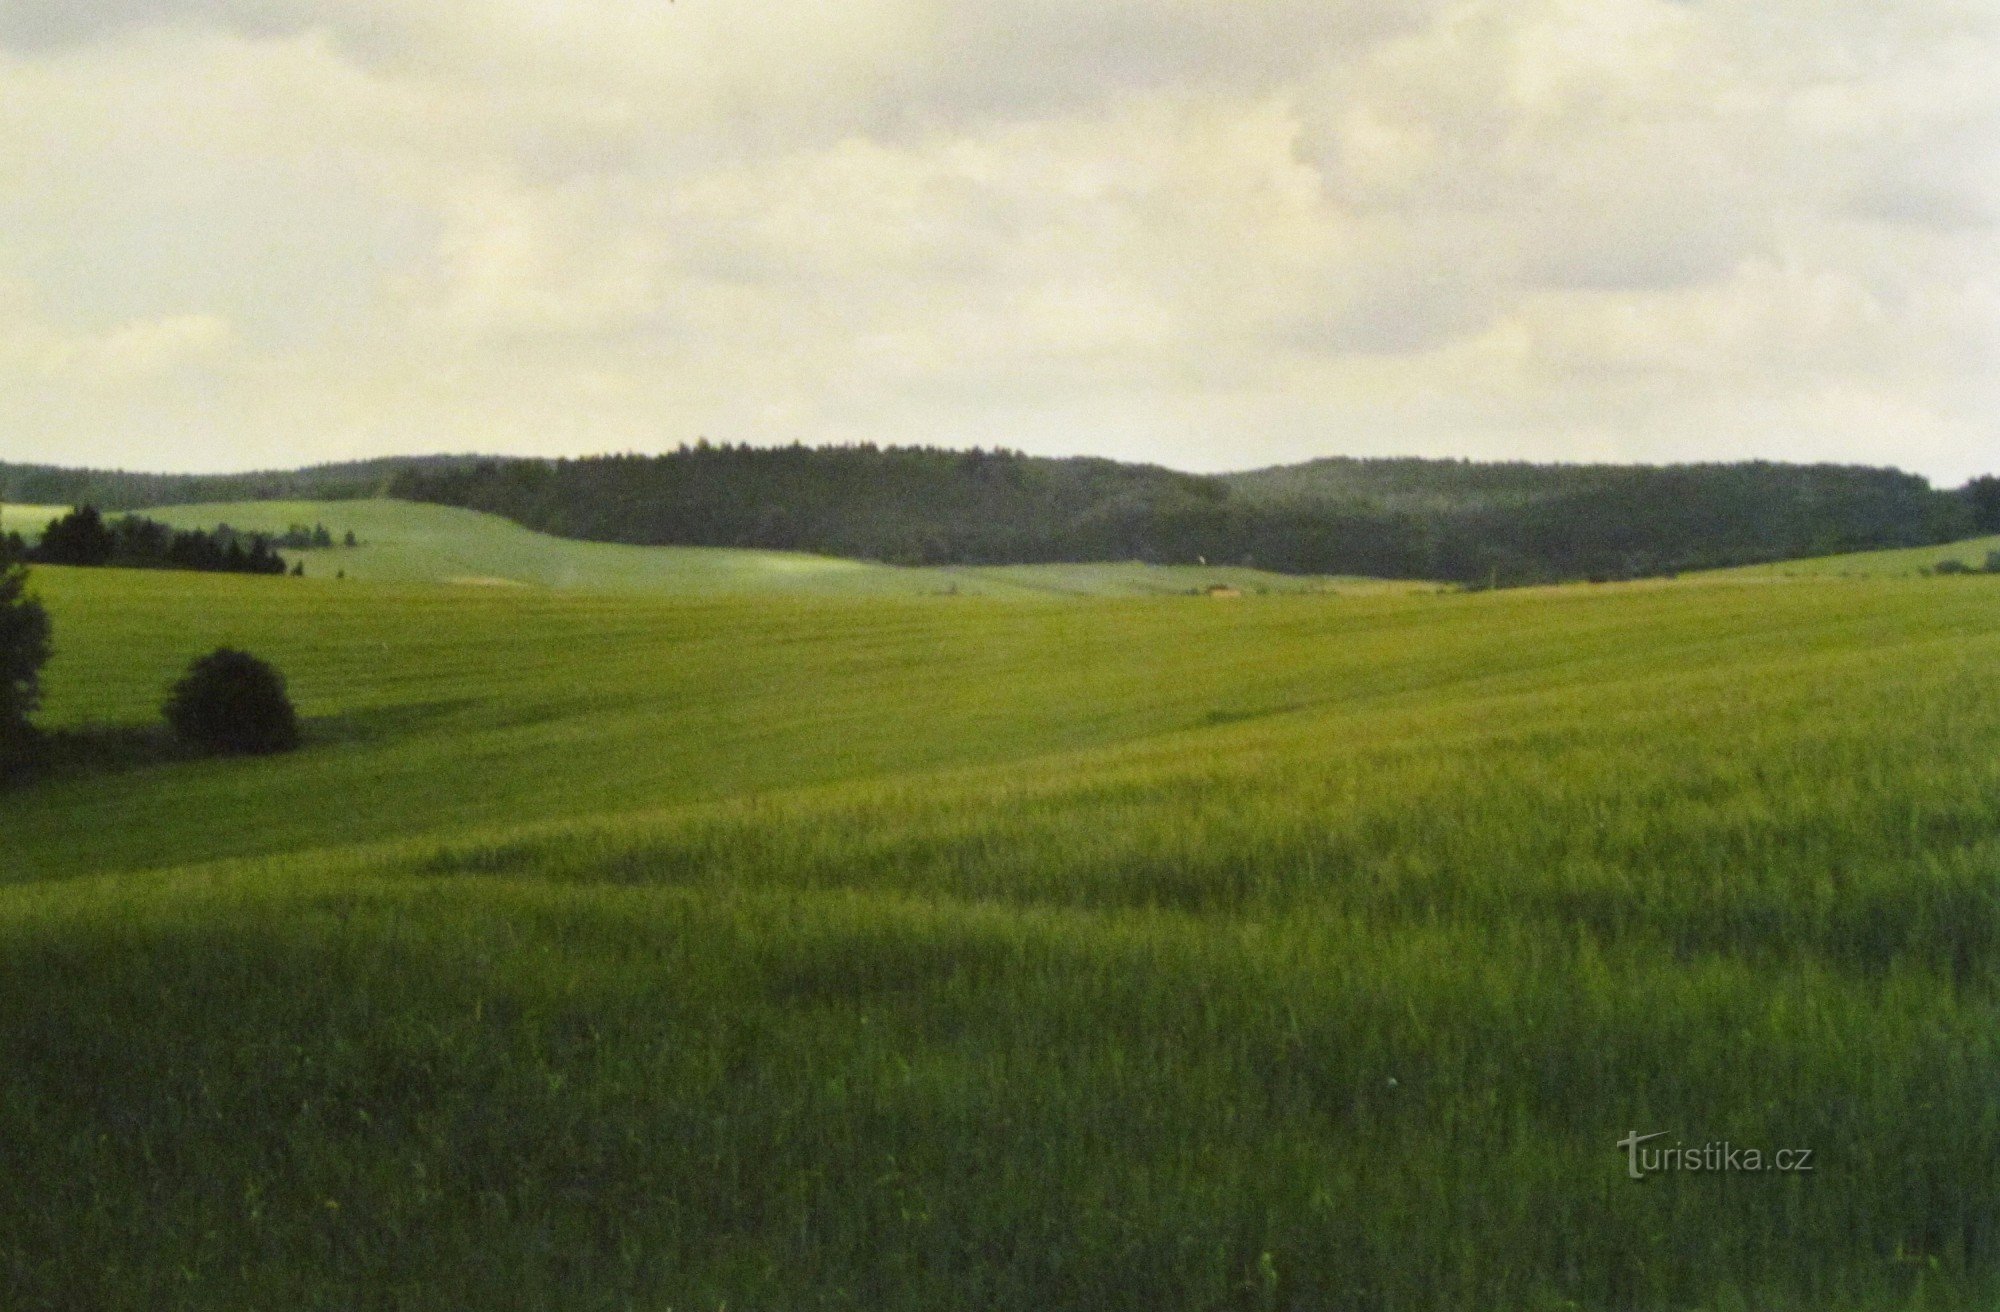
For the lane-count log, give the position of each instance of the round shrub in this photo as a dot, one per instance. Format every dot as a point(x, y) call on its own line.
point(229, 701)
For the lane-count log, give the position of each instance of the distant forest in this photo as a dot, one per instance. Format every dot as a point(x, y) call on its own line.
point(114, 489)
point(83, 537)
point(1505, 523)
point(1452, 520)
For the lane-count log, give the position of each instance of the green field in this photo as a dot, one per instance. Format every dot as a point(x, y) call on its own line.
point(1874, 564)
point(781, 952)
point(406, 542)
point(28, 521)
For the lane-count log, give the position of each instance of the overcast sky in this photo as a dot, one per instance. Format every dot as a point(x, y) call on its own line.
point(245, 233)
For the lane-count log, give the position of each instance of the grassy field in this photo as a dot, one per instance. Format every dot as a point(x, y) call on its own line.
point(28, 521)
point(406, 542)
point(791, 952)
point(1875, 564)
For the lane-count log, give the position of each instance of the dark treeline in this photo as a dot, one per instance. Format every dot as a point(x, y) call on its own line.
point(1454, 520)
point(113, 489)
point(1524, 522)
point(907, 505)
point(84, 537)
point(1982, 500)
point(300, 538)
point(297, 537)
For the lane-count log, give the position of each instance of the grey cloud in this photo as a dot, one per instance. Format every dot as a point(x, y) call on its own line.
point(961, 61)
point(1415, 302)
point(1942, 208)
point(54, 25)
point(1637, 247)
point(1945, 180)
point(1049, 54)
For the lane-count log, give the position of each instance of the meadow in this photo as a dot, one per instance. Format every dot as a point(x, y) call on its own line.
point(1904, 562)
point(793, 951)
point(27, 520)
point(407, 542)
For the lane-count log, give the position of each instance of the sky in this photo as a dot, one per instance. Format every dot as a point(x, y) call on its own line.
point(1219, 235)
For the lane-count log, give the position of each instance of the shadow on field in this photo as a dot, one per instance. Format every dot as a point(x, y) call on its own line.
point(111, 750)
point(376, 724)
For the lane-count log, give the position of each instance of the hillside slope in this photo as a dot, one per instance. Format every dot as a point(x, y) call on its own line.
point(410, 542)
point(907, 953)
point(26, 519)
point(1971, 553)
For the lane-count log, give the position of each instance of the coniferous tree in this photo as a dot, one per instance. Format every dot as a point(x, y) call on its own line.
point(24, 649)
point(134, 542)
point(78, 538)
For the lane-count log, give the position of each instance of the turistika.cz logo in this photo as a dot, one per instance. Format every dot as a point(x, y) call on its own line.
point(1719, 1157)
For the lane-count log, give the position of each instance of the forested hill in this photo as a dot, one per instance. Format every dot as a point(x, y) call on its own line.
point(1438, 519)
point(116, 489)
point(1510, 523)
point(1524, 520)
point(903, 505)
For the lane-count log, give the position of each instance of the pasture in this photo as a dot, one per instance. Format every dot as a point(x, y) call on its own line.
point(1904, 562)
point(408, 542)
point(918, 952)
point(28, 521)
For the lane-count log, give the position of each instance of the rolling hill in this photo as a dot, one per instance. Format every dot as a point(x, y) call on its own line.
point(1424, 519)
point(1971, 553)
point(1449, 520)
point(903, 952)
point(409, 542)
point(413, 542)
point(28, 520)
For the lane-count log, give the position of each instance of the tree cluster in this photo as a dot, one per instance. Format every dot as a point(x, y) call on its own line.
point(1451, 520)
point(297, 537)
point(84, 537)
point(1982, 503)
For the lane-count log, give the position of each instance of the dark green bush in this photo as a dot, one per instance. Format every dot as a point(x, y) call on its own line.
point(231, 702)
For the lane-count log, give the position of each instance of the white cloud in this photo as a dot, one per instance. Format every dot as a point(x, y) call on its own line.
point(247, 231)
point(132, 351)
